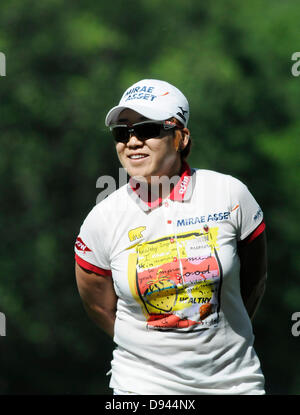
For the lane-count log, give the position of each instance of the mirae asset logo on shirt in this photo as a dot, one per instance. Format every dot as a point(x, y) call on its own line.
point(215, 217)
point(203, 219)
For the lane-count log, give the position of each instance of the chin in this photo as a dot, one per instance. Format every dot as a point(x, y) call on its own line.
point(138, 171)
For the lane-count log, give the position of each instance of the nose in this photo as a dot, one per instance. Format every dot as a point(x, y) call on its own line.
point(134, 141)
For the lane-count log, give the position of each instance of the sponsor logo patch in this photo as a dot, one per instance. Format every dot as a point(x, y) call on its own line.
point(215, 217)
point(81, 246)
point(136, 233)
point(258, 214)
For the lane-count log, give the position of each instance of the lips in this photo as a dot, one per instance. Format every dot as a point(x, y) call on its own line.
point(137, 156)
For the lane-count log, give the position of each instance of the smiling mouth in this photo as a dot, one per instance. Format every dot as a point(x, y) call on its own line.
point(138, 156)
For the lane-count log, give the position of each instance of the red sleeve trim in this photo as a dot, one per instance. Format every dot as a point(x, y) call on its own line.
point(90, 267)
point(261, 227)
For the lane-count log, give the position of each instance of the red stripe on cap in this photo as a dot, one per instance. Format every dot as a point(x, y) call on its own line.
point(90, 267)
point(261, 227)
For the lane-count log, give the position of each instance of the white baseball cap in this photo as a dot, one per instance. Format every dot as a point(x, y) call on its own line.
point(154, 99)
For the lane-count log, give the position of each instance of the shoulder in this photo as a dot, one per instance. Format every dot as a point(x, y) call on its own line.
point(215, 177)
point(109, 200)
point(108, 206)
point(222, 184)
point(112, 200)
point(209, 174)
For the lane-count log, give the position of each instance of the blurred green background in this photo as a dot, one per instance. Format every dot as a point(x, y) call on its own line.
point(67, 64)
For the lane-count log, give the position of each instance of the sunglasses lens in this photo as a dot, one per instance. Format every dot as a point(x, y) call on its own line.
point(144, 131)
point(120, 134)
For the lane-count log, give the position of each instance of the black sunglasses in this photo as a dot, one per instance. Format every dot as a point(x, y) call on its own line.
point(142, 130)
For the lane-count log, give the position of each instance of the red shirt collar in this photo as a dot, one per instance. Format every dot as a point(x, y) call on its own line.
point(178, 192)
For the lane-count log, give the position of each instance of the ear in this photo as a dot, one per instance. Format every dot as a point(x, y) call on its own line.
point(181, 139)
point(185, 138)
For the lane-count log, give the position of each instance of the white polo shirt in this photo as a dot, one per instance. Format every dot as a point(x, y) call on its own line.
point(181, 326)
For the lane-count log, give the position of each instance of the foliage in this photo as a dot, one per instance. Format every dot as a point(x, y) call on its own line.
point(67, 64)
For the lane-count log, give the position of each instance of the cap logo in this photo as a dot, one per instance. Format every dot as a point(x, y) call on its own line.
point(181, 114)
point(153, 99)
point(140, 92)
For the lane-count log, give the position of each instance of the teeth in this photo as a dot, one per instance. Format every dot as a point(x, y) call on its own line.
point(137, 156)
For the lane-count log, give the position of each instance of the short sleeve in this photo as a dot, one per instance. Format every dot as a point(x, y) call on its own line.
point(90, 248)
point(246, 213)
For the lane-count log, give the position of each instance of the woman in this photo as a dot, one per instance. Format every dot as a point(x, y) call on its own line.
point(177, 277)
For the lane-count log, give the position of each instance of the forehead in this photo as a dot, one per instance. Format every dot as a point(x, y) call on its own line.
point(128, 115)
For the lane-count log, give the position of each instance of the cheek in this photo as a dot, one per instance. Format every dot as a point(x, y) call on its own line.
point(120, 153)
point(165, 154)
point(163, 147)
point(120, 149)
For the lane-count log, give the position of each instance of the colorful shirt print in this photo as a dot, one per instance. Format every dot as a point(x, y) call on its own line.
point(176, 280)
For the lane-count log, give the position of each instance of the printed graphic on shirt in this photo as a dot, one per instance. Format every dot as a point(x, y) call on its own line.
point(136, 233)
point(258, 214)
point(177, 280)
point(81, 246)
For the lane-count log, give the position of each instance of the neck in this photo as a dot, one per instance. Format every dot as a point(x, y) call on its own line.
point(158, 187)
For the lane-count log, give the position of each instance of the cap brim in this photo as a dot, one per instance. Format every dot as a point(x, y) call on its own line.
point(151, 113)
